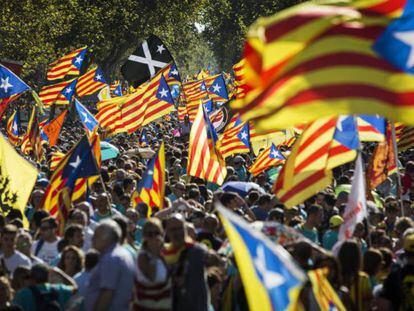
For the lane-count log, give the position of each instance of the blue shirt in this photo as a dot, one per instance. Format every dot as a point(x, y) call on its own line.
point(329, 239)
point(25, 298)
point(116, 271)
point(309, 234)
point(260, 213)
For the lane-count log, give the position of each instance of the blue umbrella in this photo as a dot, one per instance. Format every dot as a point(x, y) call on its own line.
point(241, 187)
point(108, 151)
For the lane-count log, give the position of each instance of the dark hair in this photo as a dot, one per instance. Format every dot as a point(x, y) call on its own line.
point(50, 221)
point(38, 216)
point(71, 230)
point(123, 224)
point(15, 213)
point(329, 199)
point(386, 257)
point(91, 259)
point(39, 273)
point(263, 199)
point(349, 257)
point(372, 261)
point(313, 209)
point(227, 197)
point(79, 258)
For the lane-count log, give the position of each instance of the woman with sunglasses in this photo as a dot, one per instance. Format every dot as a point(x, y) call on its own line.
point(153, 284)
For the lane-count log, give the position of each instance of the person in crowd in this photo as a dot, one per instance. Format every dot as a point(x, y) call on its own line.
point(264, 205)
point(10, 257)
point(71, 260)
point(153, 281)
point(111, 281)
point(208, 234)
point(82, 277)
point(330, 237)
point(310, 228)
point(46, 247)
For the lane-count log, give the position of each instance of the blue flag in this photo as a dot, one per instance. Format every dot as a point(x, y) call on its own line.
point(10, 84)
point(163, 92)
point(275, 153)
point(218, 88)
point(86, 117)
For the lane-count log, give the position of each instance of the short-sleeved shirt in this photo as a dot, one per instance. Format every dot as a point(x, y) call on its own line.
point(115, 271)
point(17, 259)
point(309, 234)
point(25, 298)
point(329, 239)
point(260, 213)
point(48, 251)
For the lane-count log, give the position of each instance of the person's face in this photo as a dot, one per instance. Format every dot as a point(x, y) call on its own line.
point(8, 242)
point(319, 199)
point(318, 217)
point(102, 204)
point(46, 231)
point(70, 260)
point(24, 245)
point(78, 238)
point(98, 240)
point(78, 218)
point(179, 191)
point(152, 235)
point(176, 232)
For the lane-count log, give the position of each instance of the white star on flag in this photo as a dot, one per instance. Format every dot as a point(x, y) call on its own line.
point(163, 92)
point(147, 59)
point(407, 37)
point(76, 163)
point(68, 90)
point(85, 116)
point(244, 135)
point(98, 77)
point(5, 84)
point(15, 126)
point(150, 172)
point(341, 119)
point(216, 88)
point(160, 48)
point(78, 59)
point(270, 278)
point(174, 72)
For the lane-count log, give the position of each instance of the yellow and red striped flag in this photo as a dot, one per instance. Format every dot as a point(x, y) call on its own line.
point(204, 161)
point(68, 65)
point(13, 129)
point(311, 61)
point(33, 137)
point(235, 139)
point(406, 138)
point(239, 79)
point(91, 82)
point(56, 157)
point(60, 93)
point(270, 157)
point(182, 112)
point(152, 186)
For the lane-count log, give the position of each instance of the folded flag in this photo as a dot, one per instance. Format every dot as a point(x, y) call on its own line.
point(68, 65)
point(271, 279)
point(149, 58)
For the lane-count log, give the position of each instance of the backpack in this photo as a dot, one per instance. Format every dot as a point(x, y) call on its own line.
point(47, 301)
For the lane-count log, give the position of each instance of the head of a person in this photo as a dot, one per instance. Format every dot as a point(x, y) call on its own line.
point(329, 201)
point(238, 162)
point(36, 198)
point(176, 231)
point(152, 232)
point(401, 225)
point(132, 215)
point(315, 215)
point(21, 278)
point(142, 209)
point(372, 261)
point(229, 200)
point(48, 228)
point(302, 252)
point(78, 217)
point(91, 259)
point(320, 197)
point(276, 214)
point(106, 235)
point(349, 256)
point(102, 203)
point(9, 239)
point(335, 222)
point(210, 223)
point(122, 222)
point(409, 168)
point(71, 260)
point(24, 243)
point(74, 235)
point(39, 273)
point(265, 202)
point(391, 211)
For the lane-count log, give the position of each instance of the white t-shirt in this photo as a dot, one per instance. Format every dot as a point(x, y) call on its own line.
point(48, 252)
point(17, 259)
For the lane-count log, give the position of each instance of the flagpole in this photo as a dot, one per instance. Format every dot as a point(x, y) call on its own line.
point(399, 187)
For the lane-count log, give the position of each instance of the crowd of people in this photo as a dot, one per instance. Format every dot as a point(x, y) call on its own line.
point(118, 255)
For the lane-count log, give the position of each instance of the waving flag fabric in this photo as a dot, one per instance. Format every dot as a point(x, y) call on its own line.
point(87, 119)
point(13, 129)
point(67, 65)
point(11, 86)
point(239, 79)
point(53, 127)
point(59, 93)
point(203, 158)
point(406, 140)
point(33, 136)
point(91, 82)
point(271, 279)
point(235, 139)
point(152, 186)
point(270, 157)
point(371, 128)
point(310, 61)
point(218, 90)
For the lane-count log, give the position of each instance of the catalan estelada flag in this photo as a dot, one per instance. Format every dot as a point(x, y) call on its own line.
point(33, 136)
point(78, 163)
point(151, 188)
point(235, 139)
point(68, 65)
point(321, 59)
point(271, 279)
point(239, 79)
point(270, 157)
point(204, 161)
point(91, 82)
point(13, 129)
point(406, 140)
point(371, 128)
point(60, 93)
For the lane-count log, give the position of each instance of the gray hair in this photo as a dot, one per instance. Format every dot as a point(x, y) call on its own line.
point(111, 229)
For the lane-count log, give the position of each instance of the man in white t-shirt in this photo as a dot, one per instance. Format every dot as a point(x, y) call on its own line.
point(46, 248)
point(11, 258)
